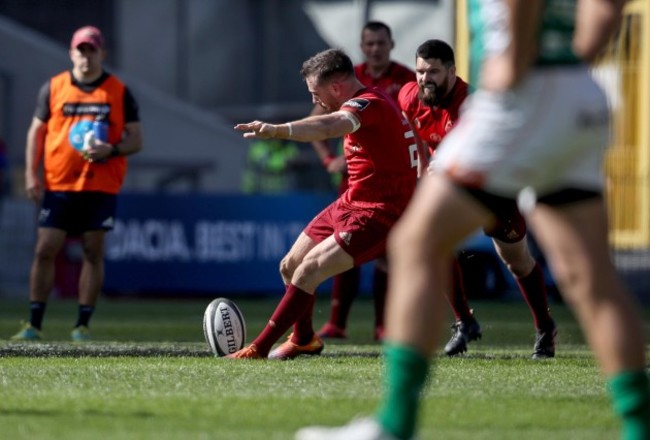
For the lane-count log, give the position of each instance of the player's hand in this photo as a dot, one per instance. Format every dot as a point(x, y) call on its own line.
point(99, 151)
point(257, 130)
point(33, 188)
point(432, 167)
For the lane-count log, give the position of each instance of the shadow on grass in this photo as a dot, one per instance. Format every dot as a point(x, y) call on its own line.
point(197, 350)
point(101, 350)
point(481, 356)
point(57, 413)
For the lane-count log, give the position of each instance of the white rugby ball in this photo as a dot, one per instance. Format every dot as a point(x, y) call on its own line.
point(224, 327)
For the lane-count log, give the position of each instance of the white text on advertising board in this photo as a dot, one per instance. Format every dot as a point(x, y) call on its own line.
point(206, 241)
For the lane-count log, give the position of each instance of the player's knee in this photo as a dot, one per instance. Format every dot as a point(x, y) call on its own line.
point(576, 281)
point(521, 267)
point(308, 274)
point(516, 257)
point(45, 253)
point(399, 237)
point(404, 242)
point(93, 255)
point(47, 250)
point(286, 270)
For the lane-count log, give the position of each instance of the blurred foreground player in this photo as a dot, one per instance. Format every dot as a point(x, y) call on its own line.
point(536, 130)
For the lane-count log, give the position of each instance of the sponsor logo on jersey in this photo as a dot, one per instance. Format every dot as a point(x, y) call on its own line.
point(354, 148)
point(346, 237)
point(86, 108)
point(357, 103)
point(513, 234)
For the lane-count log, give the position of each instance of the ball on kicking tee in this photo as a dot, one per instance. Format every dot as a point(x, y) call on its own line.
point(224, 327)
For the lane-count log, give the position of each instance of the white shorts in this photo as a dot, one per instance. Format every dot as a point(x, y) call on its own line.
point(548, 134)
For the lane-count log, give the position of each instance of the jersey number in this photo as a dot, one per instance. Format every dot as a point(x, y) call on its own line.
point(413, 149)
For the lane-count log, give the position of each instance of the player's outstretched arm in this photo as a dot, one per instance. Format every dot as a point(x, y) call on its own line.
point(310, 129)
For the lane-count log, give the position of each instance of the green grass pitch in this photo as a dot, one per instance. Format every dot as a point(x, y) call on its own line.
point(148, 374)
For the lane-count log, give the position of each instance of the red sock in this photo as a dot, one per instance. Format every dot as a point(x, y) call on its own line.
point(293, 305)
point(379, 289)
point(456, 295)
point(303, 329)
point(533, 289)
point(344, 291)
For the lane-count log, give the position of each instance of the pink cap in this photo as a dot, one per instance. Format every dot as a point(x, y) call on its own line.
point(89, 35)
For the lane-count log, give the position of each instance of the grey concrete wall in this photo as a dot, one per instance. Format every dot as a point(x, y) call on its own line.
point(218, 53)
point(17, 238)
point(223, 55)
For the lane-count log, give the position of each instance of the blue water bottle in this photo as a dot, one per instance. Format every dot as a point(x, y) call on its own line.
point(100, 128)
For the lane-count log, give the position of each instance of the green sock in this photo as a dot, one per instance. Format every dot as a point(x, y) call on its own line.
point(405, 376)
point(630, 392)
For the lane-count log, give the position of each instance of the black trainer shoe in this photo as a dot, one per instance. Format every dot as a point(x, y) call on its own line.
point(462, 332)
point(545, 343)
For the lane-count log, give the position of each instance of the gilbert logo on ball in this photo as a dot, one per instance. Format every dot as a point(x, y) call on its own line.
point(224, 327)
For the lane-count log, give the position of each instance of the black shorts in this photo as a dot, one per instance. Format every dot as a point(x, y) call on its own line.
point(510, 226)
point(77, 212)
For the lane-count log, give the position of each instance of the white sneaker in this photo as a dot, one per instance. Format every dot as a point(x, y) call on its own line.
point(358, 429)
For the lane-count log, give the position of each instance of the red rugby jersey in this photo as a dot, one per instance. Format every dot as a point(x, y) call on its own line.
point(390, 82)
point(380, 154)
point(432, 123)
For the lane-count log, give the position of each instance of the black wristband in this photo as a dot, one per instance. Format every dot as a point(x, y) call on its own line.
point(114, 150)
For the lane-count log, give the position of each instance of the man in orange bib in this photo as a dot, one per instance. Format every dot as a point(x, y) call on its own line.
point(83, 171)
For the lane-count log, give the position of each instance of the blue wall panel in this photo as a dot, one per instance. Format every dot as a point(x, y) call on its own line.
point(204, 243)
